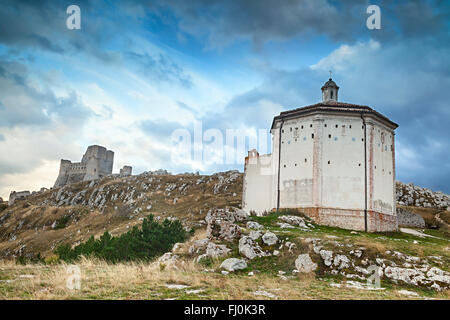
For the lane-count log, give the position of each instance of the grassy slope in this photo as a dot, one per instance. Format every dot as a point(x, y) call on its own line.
point(29, 221)
point(148, 280)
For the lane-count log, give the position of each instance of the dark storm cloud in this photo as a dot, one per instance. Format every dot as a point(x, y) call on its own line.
point(261, 21)
point(403, 81)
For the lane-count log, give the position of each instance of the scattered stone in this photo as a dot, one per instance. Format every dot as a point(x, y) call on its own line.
point(255, 234)
point(168, 258)
point(284, 225)
point(270, 238)
point(294, 220)
point(249, 249)
point(304, 264)
point(233, 264)
point(265, 294)
point(408, 293)
point(177, 286)
point(216, 250)
point(254, 225)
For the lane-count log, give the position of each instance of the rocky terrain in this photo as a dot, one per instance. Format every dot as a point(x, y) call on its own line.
point(289, 244)
point(229, 245)
point(74, 212)
point(412, 195)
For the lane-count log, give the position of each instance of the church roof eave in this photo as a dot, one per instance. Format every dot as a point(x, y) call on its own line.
point(334, 106)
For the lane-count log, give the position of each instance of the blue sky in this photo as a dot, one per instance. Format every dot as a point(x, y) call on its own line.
point(138, 70)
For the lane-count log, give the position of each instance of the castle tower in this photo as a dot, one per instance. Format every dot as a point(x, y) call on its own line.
point(96, 163)
point(333, 161)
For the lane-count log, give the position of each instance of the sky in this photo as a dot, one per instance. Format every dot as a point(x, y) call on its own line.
point(137, 73)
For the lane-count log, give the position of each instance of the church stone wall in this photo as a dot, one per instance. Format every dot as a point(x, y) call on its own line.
point(333, 161)
point(258, 177)
point(342, 162)
point(296, 169)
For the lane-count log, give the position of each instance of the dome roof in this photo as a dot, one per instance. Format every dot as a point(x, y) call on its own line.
point(330, 84)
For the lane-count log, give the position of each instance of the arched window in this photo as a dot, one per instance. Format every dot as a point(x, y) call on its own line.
point(331, 92)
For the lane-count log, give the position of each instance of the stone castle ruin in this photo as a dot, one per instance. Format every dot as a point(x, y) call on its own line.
point(96, 163)
point(17, 195)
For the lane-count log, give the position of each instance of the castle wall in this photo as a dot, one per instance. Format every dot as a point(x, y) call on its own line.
point(13, 196)
point(97, 162)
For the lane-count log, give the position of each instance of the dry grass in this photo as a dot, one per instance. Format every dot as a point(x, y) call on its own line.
point(100, 280)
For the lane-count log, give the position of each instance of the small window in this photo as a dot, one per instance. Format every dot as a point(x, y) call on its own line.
point(325, 125)
point(350, 126)
point(328, 161)
point(336, 126)
point(331, 94)
point(290, 129)
point(329, 136)
point(362, 139)
point(282, 131)
point(302, 127)
point(359, 164)
point(312, 135)
point(310, 125)
point(305, 160)
point(295, 164)
point(284, 166)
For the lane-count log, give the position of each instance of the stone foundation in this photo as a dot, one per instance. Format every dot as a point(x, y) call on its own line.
point(352, 219)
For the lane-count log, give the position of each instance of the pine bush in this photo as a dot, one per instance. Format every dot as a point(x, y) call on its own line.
point(151, 240)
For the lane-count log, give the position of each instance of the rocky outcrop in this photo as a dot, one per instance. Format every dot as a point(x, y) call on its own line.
point(304, 264)
point(233, 264)
point(249, 248)
point(354, 263)
point(412, 195)
point(270, 238)
point(220, 224)
point(409, 219)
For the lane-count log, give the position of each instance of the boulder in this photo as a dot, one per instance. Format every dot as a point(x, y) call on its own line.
point(269, 238)
point(327, 257)
point(216, 250)
point(233, 264)
point(304, 263)
point(294, 220)
point(198, 246)
point(254, 225)
point(255, 234)
point(220, 225)
point(168, 258)
point(249, 249)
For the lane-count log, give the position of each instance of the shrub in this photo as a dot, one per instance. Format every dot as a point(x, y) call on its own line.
point(145, 243)
point(3, 206)
point(62, 223)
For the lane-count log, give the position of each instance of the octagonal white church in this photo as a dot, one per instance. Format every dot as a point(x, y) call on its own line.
point(333, 161)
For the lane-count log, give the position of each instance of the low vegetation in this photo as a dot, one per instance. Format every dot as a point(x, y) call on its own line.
point(151, 240)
